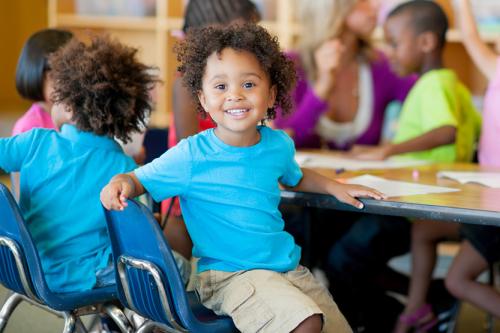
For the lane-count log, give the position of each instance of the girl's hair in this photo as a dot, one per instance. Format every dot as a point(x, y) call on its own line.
point(200, 44)
point(200, 13)
point(32, 63)
point(322, 20)
point(104, 85)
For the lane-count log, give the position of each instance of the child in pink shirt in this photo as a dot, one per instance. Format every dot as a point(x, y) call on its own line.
point(33, 77)
point(488, 145)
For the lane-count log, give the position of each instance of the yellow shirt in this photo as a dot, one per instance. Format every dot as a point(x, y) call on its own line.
point(439, 99)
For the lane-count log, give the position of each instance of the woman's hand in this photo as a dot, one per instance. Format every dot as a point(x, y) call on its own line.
point(327, 58)
point(347, 193)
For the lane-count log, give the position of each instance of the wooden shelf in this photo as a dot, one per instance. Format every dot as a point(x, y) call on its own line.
point(453, 36)
point(106, 22)
point(152, 35)
point(118, 22)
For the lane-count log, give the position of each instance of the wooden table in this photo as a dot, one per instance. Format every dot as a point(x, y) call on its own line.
point(472, 204)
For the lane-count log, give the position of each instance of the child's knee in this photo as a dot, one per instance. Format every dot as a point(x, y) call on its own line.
point(455, 285)
point(313, 323)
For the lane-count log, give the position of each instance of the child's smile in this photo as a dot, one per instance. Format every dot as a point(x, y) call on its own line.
point(237, 94)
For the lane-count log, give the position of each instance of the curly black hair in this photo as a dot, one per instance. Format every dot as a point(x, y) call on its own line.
point(201, 43)
point(104, 85)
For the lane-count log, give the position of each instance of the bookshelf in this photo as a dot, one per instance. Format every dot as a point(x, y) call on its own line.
point(152, 35)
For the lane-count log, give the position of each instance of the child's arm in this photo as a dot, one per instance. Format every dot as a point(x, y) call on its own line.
point(441, 136)
point(121, 187)
point(314, 182)
point(481, 54)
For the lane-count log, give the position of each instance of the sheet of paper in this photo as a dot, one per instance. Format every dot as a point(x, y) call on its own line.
point(489, 179)
point(313, 160)
point(393, 188)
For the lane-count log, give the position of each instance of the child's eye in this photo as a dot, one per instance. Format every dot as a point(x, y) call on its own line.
point(220, 86)
point(248, 85)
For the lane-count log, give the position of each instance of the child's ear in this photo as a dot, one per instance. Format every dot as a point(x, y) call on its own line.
point(428, 41)
point(272, 96)
point(202, 99)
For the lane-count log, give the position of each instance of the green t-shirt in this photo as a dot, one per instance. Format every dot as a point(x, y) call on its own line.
point(439, 99)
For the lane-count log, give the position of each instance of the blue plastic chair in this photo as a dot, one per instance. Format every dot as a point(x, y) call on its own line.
point(148, 280)
point(21, 273)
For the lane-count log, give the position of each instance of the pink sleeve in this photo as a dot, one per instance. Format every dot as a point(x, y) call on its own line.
point(35, 117)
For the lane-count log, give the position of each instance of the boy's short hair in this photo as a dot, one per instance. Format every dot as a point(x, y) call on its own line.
point(200, 44)
point(200, 13)
point(425, 15)
point(32, 63)
point(104, 85)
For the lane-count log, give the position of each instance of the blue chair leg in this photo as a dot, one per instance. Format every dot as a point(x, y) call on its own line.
point(8, 307)
point(69, 322)
point(117, 315)
point(148, 326)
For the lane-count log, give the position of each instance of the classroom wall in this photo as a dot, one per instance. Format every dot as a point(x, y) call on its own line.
point(18, 20)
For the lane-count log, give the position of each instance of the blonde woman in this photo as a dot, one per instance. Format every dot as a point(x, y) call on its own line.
point(344, 84)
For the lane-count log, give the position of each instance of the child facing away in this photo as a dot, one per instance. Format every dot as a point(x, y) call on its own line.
point(100, 91)
point(480, 244)
point(33, 82)
point(228, 180)
point(438, 121)
point(33, 79)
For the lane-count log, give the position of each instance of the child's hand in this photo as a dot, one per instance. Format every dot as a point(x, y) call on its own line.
point(347, 193)
point(114, 195)
point(370, 153)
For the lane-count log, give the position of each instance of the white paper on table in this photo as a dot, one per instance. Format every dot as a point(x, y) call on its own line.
point(314, 160)
point(489, 179)
point(393, 188)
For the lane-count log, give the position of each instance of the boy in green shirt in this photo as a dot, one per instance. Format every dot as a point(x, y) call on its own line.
point(438, 121)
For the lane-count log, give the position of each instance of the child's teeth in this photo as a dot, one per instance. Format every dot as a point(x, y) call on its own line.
point(236, 111)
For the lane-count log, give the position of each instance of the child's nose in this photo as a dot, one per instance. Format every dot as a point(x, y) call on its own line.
point(234, 95)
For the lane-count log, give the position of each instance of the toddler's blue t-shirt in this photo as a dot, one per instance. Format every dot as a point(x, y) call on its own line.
point(62, 175)
point(229, 198)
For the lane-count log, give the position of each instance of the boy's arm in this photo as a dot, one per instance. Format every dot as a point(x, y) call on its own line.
point(441, 136)
point(314, 182)
point(481, 54)
point(121, 187)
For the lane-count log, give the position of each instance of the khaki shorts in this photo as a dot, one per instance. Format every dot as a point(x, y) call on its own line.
point(267, 301)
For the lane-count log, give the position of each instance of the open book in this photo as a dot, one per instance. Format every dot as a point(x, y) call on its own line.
point(489, 179)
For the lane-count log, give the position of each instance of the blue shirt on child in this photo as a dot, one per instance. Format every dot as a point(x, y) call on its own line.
point(62, 175)
point(229, 198)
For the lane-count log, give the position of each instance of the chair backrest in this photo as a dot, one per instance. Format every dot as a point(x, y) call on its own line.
point(17, 251)
point(147, 277)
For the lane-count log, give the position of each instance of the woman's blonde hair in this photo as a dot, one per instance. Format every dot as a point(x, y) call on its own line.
point(322, 20)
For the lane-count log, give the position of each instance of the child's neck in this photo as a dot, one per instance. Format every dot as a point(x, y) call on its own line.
point(238, 139)
point(431, 62)
point(45, 106)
